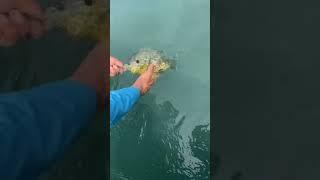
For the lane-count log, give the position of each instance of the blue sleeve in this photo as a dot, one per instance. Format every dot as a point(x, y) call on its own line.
point(37, 124)
point(121, 101)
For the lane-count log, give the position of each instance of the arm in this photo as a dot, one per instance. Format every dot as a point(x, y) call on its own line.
point(121, 101)
point(37, 124)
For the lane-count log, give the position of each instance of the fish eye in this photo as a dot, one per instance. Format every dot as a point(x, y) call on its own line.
point(137, 61)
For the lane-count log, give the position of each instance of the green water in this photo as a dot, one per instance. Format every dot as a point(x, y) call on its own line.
point(166, 135)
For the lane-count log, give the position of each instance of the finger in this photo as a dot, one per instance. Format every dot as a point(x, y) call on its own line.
point(119, 63)
point(31, 8)
point(112, 73)
point(150, 69)
point(115, 71)
point(115, 68)
point(116, 61)
point(119, 69)
point(9, 33)
point(36, 29)
point(19, 21)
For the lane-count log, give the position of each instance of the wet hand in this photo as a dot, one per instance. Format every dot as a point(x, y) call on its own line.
point(116, 66)
point(145, 80)
point(20, 19)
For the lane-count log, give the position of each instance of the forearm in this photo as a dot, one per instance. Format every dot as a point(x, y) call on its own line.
point(36, 125)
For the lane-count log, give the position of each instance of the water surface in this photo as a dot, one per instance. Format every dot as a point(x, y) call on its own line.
point(166, 135)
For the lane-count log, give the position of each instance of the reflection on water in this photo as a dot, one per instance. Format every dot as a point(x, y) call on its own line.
point(155, 146)
point(200, 149)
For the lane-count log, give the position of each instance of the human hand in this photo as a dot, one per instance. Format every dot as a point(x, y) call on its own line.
point(116, 66)
point(92, 71)
point(145, 80)
point(20, 19)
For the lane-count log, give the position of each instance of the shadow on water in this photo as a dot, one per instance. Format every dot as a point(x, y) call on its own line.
point(148, 144)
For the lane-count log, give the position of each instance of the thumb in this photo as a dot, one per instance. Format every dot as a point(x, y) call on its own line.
point(31, 8)
point(151, 68)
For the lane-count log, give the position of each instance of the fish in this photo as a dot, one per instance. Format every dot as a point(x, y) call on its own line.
point(139, 62)
point(80, 19)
